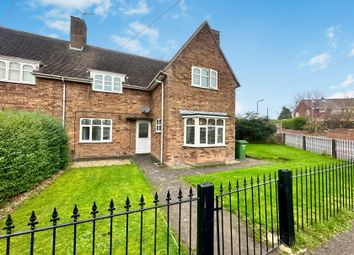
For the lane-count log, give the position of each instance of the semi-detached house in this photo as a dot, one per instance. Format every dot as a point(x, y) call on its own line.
point(117, 104)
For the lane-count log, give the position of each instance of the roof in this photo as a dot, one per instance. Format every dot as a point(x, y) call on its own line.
point(58, 59)
point(331, 103)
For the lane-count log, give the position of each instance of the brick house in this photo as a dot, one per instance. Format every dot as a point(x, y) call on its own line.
point(115, 104)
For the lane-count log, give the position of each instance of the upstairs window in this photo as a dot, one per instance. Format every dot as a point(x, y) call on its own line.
point(204, 78)
point(95, 130)
point(18, 72)
point(107, 82)
point(158, 125)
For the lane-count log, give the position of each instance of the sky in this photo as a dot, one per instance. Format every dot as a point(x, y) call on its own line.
point(277, 49)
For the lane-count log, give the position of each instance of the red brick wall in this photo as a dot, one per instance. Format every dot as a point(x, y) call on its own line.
point(180, 95)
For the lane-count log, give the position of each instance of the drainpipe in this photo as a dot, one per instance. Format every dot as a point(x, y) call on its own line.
point(64, 102)
point(162, 120)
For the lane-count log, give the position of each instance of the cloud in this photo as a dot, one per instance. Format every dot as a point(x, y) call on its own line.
point(131, 45)
point(137, 27)
point(331, 35)
point(349, 80)
point(319, 62)
point(52, 35)
point(183, 10)
point(351, 54)
point(55, 14)
point(348, 94)
point(139, 8)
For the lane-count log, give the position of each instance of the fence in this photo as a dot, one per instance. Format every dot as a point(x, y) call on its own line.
point(253, 216)
point(337, 148)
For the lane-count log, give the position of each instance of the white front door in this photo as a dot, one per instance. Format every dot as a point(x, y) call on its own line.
point(143, 137)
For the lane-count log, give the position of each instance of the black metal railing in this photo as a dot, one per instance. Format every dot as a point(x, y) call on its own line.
point(153, 214)
point(247, 216)
point(320, 192)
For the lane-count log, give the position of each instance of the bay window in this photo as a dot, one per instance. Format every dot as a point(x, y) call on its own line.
point(204, 132)
point(204, 78)
point(13, 70)
point(95, 130)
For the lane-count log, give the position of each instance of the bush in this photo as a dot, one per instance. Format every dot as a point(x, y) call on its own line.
point(297, 123)
point(254, 129)
point(33, 146)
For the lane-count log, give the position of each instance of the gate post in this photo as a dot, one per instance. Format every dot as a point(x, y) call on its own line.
point(286, 211)
point(334, 148)
point(205, 219)
point(304, 143)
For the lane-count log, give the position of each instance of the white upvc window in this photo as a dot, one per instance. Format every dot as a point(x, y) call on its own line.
point(17, 70)
point(204, 78)
point(158, 125)
point(94, 130)
point(204, 131)
point(107, 82)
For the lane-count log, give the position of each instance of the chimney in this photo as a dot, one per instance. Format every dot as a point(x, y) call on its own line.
point(216, 34)
point(78, 33)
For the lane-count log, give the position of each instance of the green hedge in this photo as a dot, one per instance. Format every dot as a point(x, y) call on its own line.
point(297, 123)
point(254, 129)
point(33, 146)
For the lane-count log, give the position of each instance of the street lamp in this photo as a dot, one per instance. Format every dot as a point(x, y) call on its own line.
point(258, 101)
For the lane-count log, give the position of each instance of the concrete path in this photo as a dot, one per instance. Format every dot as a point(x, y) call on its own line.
point(164, 179)
point(340, 245)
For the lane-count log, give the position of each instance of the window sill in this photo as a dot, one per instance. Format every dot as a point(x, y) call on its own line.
point(204, 146)
point(19, 82)
point(159, 132)
point(200, 87)
point(94, 142)
point(110, 92)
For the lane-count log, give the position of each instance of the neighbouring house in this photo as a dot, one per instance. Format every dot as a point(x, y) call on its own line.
point(326, 109)
point(115, 104)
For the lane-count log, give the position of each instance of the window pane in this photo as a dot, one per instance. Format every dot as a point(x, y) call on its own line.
point(202, 137)
point(196, 79)
point(14, 65)
point(190, 135)
point(220, 135)
point(85, 133)
point(96, 122)
point(2, 70)
point(85, 121)
point(211, 122)
point(190, 121)
point(26, 74)
point(106, 133)
point(213, 74)
point(98, 82)
point(96, 133)
point(117, 84)
point(27, 68)
point(213, 82)
point(14, 72)
point(143, 130)
point(205, 72)
point(202, 121)
point(107, 83)
point(196, 71)
point(106, 122)
point(220, 122)
point(205, 81)
point(211, 135)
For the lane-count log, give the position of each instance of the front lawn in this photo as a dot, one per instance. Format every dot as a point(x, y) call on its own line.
point(82, 187)
point(278, 157)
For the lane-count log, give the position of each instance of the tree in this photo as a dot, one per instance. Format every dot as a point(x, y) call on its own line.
point(285, 113)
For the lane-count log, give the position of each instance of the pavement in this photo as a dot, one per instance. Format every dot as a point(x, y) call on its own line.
point(166, 179)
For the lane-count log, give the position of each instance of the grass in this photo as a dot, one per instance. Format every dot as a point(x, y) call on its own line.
point(278, 157)
point(82, 187)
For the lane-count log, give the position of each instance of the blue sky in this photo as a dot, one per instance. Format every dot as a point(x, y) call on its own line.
point(276, 48)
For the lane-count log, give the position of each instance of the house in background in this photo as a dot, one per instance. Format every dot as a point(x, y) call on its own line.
point(115, 104)
point(326, 109)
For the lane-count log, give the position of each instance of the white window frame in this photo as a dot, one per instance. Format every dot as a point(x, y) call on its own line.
point(22, 63)
point(91, 125)
point(209, 78)
point(104, 74)
point(197, 126)
point(158, 125)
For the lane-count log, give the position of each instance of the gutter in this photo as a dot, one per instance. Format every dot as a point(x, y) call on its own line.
point(162, 119)
point(58, 77)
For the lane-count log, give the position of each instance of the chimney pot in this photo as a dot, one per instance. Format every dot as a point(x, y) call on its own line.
point(78, 33)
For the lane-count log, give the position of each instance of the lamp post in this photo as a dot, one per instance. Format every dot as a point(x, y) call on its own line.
point(258, 101)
